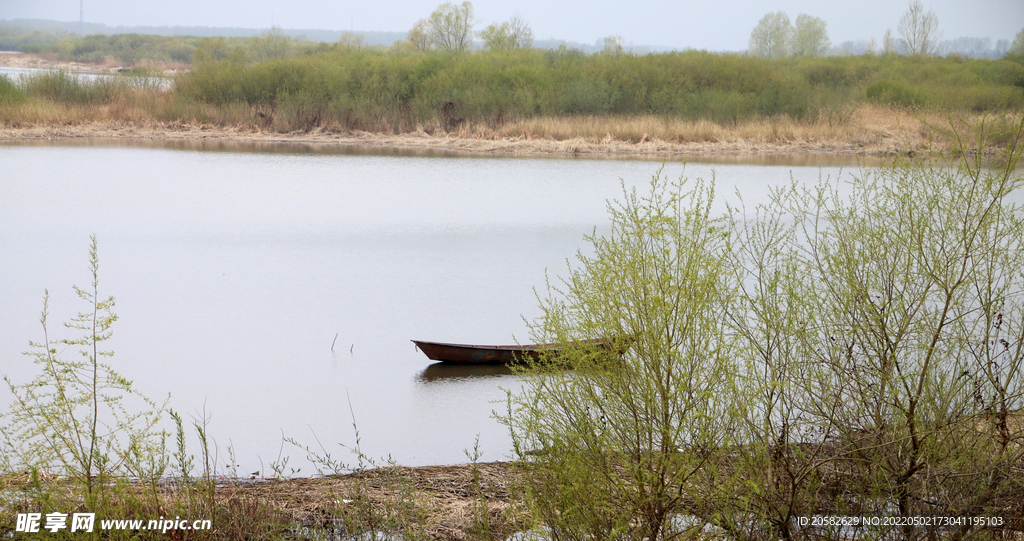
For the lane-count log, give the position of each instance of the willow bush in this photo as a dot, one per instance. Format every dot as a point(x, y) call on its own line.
point(628, 445)
point(915, 285)
point(403, 90)
point(78, 417)
point(852, 348)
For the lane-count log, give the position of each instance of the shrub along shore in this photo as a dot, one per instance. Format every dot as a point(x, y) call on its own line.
point(688, 102)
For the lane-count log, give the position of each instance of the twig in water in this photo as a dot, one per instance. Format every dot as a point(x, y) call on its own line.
point(335, 340)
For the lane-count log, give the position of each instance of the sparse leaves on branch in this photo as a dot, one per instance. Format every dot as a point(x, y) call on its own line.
point(888, 43)
point(919, 30)
point(450, 26)
point(512, 34)
point(775, 37)
point(1017, 47)
point(771, 36)
point(78, 416)
point(810, 36)
point(858, 341)
point(627, 437)
point(613, 46)
point(271, 45)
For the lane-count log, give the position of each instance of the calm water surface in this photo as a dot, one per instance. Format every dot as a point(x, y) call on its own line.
point(234, 271)
point(17, 76)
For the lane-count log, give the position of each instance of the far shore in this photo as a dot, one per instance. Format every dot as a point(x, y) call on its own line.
point(862, 131)
point(184, 134)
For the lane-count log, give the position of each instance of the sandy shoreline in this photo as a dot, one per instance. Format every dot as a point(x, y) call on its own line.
point(203, 135)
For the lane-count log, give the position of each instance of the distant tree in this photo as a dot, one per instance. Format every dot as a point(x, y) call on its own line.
point(238, 55)
point(419, 36)
point(450, 27)
point(210, 49)
point(272, 44)
point(871, 48)
point(888, 43)
point(512, 34)
point(810, 37)
point(919, 30)
point(613, 45)
point(770, 38)
point(1018, 43)
point(350, 40)
point(1002, 47)
point(966, 46)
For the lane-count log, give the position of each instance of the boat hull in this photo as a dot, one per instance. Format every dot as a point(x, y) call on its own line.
point(474, 354)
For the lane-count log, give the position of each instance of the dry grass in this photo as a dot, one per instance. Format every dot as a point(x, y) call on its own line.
point(866, 126)
point(432, 502)
point(868, 130)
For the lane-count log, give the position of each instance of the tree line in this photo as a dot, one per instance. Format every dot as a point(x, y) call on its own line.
point(918, 29)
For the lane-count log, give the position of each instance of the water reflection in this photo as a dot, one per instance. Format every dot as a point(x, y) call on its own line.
point(256, 147)
point(142, 82)
point(347, 149)
point(439, 372)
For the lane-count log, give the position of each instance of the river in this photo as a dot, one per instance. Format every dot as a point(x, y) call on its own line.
point(277, 289)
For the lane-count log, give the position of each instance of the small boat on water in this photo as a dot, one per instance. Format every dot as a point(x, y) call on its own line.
point(474, 354)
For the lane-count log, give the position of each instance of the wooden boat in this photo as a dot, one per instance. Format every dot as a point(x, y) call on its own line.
point(474, 354)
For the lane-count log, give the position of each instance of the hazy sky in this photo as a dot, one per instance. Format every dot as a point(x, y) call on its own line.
point(701, 24)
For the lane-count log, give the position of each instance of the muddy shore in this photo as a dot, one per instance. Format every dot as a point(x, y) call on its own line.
point(179, 134)
point(447, 503)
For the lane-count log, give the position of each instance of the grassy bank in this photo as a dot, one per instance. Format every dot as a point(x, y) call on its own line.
point(451, 503)
point(874, 104)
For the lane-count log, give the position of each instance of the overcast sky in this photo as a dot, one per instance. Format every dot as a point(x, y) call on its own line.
point(716, 25)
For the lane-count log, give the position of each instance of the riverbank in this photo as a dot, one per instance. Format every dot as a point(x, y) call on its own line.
point(510, 140)
point(62, 107)
point(447, 503)
point(13, 59)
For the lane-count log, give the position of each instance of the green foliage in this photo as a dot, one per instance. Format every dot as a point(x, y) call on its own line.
point(272, 45)
point(368, 87)
point(849, 349)
point(15, 37)
point(772, 36)
point(450, 26)
point(210, 49)
point(1017, 47)
point(893, 93)
point(915, 285)
point(9, 93)
point(128, 49)
point(810, 36)
point(621, 444)
point(353, 87)
point(512, 34)
point(75, 418)
point(69, 87)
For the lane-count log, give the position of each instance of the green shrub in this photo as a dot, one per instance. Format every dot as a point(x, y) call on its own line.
point(9, 93)
point(893, 93)
point(848, 348)
point(374, 86)
point(58, 85)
